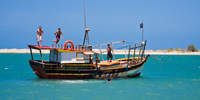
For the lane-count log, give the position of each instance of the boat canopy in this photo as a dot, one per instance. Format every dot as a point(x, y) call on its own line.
point(42, 47)
point(61, 55)
point(84, 49)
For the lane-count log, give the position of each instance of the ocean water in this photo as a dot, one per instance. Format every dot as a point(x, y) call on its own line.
point(158, 81)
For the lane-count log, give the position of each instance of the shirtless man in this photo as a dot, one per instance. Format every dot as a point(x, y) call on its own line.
point(109, 54)
point(39, 35)
point(58, 33)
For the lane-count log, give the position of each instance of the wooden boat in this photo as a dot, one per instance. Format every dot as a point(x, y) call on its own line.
point(73, 62)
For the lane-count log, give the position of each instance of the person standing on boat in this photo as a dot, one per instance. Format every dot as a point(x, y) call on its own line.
point(58, 33)
point(109, 54)
point(91, 59)
point(39, 35)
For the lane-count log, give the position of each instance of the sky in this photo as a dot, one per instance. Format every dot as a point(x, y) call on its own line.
point(167, 23)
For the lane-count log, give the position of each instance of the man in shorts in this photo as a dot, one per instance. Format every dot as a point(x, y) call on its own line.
point(58, 33)
point(109, 54)
point(39, 35)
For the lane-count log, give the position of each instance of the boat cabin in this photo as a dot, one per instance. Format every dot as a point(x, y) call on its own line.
point(60, 55)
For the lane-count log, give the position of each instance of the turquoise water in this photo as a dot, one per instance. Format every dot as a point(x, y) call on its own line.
point(168, 82)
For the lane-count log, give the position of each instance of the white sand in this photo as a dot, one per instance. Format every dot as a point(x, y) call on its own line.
point(151, 52)
point(21, 51)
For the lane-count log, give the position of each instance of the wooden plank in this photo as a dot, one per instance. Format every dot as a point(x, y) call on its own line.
point(125, 50)
point(134, 54)
point(129, 52)
point(101, 53)
point(31, 54)
point(41, 55)
point(57, 58)
point(136, 47)
point(113, 52)
point(139, 52)
point(96, 60)
point(144, 48)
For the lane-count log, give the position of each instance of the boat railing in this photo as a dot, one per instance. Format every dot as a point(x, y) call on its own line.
point(140, 56)
point(58, 46)
point(78, 47)
point(69, 66)
point(111, 48)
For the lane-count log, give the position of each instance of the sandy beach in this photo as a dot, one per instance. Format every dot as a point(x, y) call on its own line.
point(21, 51)
point(151, 52)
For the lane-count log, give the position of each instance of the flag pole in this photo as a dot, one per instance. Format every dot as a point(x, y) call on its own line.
point(141, 27)
point(142, 33)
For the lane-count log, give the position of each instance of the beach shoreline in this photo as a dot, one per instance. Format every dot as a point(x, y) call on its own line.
point(151, 52)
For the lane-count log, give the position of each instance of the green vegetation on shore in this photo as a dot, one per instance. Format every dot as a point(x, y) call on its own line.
point(191, 48)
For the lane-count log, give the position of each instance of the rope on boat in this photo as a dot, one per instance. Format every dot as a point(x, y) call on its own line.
point(123, 47)
point(160, 60)
point(117, 48)
point(173, 64)
point(133, 43)
point(130, 43)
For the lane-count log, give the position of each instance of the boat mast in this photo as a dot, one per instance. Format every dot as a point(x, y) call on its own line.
point(86, 37)
point(84, 14)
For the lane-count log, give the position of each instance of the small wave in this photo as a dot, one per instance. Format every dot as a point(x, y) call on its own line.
point(78, 81)
point(6, 68)
point(73, 81)
point(195, 79)
point(153, 94)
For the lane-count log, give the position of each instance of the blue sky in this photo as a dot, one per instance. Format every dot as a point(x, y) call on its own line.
point(167, 23)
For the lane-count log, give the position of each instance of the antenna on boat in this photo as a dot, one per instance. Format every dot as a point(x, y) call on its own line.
point(86, 37)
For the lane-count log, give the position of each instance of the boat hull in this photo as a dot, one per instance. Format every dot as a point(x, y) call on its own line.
point(133, 71)
point(43, 71)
